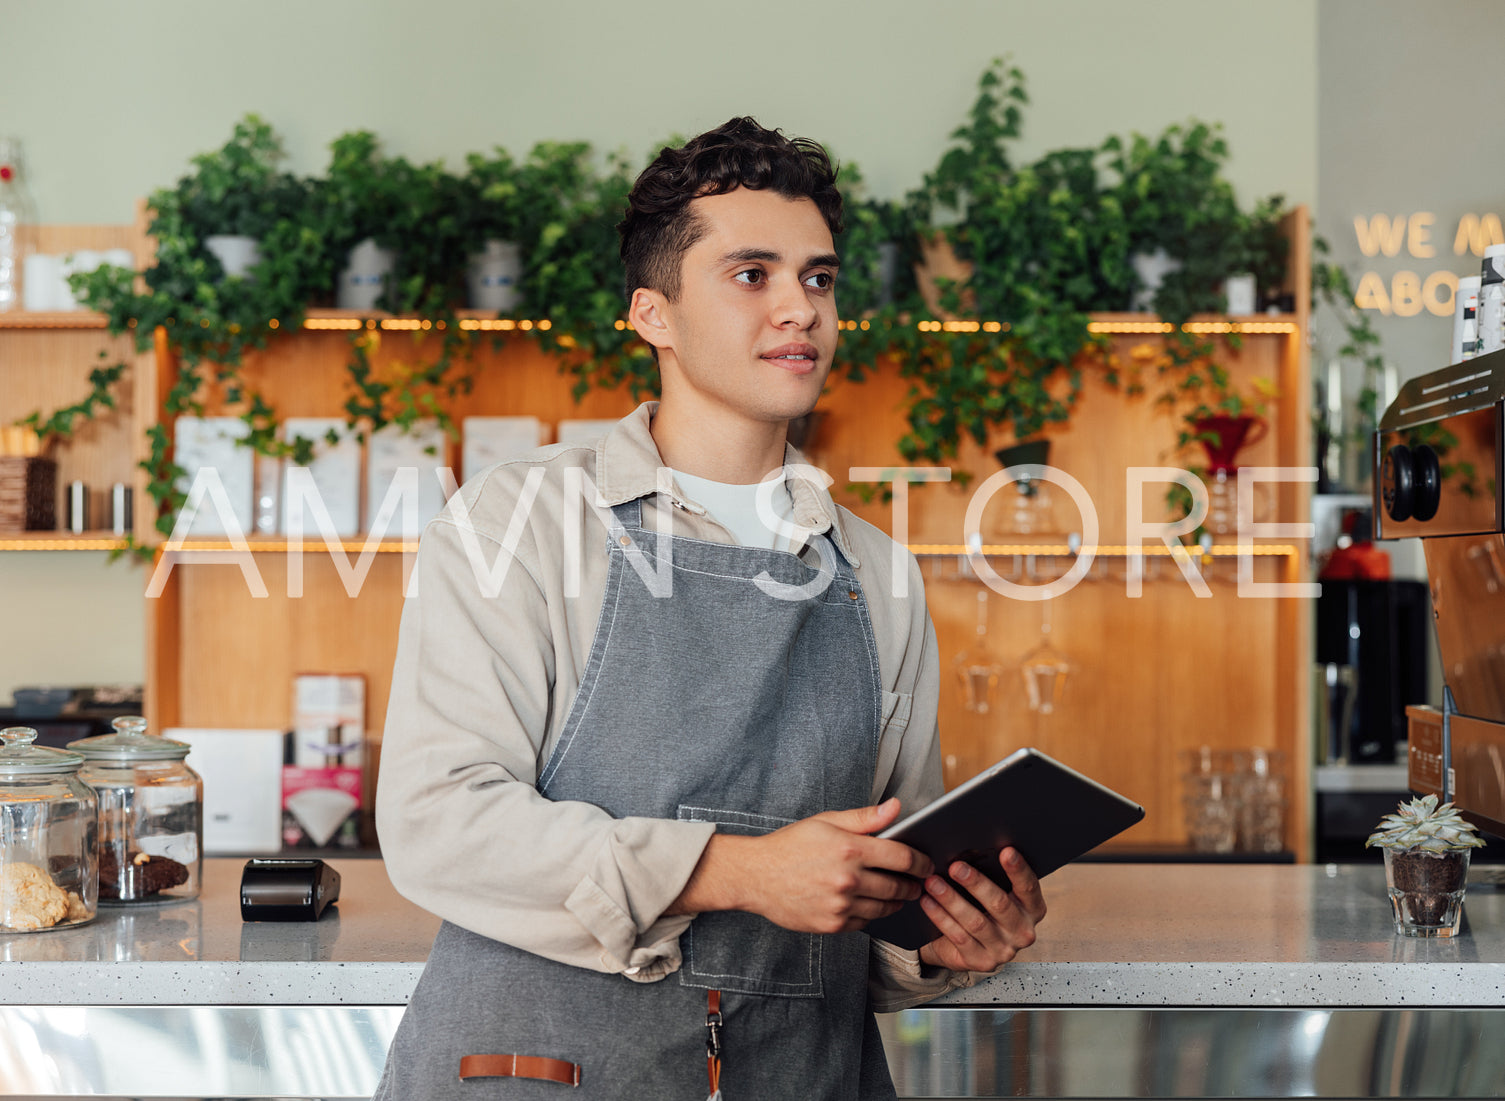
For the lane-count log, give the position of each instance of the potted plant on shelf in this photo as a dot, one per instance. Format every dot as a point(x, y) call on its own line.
point(492, 215)
point(360, 201)
point(1035, 245)
point(1185, 231)
point(1426, 847)
point(236, 196)
point(975, 164)
point(573, 274)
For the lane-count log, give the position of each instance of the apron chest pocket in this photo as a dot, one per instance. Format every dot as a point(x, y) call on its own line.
point(730, 950)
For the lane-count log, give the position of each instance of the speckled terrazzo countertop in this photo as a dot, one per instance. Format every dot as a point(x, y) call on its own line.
point(1247, 936)
point(368, 949)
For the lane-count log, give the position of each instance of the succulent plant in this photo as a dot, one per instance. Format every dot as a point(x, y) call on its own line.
point(1423, 826)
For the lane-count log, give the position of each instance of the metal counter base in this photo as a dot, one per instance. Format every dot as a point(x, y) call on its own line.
point(1160, 1052)
point(330, 1052)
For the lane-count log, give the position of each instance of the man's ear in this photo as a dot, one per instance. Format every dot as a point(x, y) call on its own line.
point(648, 313)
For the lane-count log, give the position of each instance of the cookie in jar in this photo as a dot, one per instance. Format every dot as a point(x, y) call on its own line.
point(48, 864)
point(151, 814)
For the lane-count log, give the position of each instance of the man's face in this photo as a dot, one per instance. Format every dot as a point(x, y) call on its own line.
point(754, 330)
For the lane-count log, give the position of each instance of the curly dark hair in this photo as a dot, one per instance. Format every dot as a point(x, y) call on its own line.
point(660, 227)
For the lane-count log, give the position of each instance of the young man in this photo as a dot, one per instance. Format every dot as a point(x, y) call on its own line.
point(639, 774)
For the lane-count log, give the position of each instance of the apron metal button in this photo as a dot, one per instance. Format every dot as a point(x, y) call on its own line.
point(852, 594)
point(625, 540)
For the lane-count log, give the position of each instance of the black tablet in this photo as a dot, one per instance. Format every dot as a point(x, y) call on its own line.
point(1050, 813)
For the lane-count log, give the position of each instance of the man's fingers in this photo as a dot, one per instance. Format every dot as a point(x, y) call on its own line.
point(864, 819)
point(881, 886)
point(940, 916)
point(865, 910)
point(1026, 885)
point(980, 887)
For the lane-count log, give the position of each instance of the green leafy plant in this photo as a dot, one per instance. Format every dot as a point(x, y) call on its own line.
point(574, 276)
point(238, 188)
point(1423, 825)
point(1175, 198)
point(491, 201)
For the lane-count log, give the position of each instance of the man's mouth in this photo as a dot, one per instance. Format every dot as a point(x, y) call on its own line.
point(794, 357)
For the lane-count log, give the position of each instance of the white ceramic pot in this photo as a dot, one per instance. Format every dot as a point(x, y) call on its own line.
point(367, 271)
point(1151, 268)
point(1240, 291)
point(495, 277)
point(235, 253)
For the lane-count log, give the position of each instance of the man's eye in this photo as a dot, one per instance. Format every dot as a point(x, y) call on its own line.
point(752, 276)
point(821, 280)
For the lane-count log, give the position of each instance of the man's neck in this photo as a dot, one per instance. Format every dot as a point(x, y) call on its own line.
point(718, 445)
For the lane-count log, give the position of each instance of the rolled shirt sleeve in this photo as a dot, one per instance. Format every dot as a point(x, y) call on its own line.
point(465, 833)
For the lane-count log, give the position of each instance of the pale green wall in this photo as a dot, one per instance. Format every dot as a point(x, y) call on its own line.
point(111, 99)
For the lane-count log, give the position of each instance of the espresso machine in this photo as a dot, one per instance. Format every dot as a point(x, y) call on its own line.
point(1437, 459)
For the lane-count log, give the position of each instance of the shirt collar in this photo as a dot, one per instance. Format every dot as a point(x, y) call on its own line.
point(627, 464)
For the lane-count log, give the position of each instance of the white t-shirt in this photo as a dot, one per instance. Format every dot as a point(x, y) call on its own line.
point(736, 508)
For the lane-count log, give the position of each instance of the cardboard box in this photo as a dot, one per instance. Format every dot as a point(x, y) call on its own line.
point(321, 808)
point(323, 773)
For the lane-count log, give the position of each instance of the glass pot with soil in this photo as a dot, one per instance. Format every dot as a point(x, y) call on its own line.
point(1427, 849)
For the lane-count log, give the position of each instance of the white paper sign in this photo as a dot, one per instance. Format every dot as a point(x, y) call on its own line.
point(335, 473)
point(411, 461)
point(206, 448)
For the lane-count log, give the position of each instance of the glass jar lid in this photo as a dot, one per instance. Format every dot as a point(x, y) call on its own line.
point(130, 742)
point(19, 757)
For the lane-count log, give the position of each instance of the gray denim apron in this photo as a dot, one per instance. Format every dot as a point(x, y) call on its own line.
point(721, 703)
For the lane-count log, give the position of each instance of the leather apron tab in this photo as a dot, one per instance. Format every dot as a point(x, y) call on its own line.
point(520, 1066)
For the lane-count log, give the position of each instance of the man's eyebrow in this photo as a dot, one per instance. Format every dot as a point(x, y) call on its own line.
point(769, 256)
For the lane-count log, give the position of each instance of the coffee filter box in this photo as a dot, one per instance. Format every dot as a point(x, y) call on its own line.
point(322, 779)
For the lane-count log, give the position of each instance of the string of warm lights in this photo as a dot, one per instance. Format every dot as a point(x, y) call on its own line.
point(88, 320)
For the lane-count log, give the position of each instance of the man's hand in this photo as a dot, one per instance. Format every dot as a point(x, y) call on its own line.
point(986, 939)
point(823, 874)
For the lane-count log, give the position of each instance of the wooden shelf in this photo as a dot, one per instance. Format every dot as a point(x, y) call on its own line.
point(280, 544)
point(60, 319)
point(60, 541)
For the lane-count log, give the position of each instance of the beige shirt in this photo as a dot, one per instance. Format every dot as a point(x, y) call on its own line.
point(495, 633)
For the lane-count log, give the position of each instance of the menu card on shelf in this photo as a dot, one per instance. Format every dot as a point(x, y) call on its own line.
point(417, 450)
point(336, 476)
point(490, 440)
point(219, 475)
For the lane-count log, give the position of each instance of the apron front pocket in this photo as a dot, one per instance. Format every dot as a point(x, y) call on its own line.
point(730, 950)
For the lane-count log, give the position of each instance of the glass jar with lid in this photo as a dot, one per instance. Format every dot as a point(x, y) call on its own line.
point(151, 814)
point(48, 874)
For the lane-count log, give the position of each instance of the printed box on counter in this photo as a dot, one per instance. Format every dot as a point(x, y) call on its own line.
point(321, 807)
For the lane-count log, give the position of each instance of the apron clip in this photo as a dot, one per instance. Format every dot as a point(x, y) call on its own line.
point(713, 1043)
point(713, 1035)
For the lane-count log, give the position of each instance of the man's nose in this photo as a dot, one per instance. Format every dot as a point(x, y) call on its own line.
point(792, 305)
